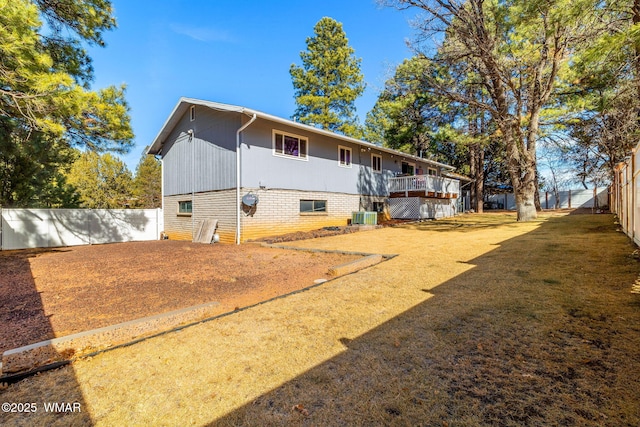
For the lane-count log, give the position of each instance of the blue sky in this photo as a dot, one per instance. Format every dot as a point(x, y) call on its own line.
point(237, 52)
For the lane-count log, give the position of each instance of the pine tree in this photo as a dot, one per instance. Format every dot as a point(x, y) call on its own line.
point(32, 169)
point(147, 184)
point(102, 181)
point(520, 50)
point(329, 80)
point(45, 73)
point(410, 117)
point(46, 104)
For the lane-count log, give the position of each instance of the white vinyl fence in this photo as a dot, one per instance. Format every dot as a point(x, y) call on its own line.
point(45, 228)
point(568, 199)
point(625, 195)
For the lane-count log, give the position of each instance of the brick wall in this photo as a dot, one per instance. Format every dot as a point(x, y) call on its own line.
point(278, 212)
point(218, 205)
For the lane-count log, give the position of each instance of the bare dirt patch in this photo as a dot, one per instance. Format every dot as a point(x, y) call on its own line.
point(49, 293)
point(304, 235)
point(328, 232)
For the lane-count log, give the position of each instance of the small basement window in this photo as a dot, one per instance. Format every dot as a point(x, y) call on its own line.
point(378, 207)
point(313, 206)
point(185, 208)
point(344, 156)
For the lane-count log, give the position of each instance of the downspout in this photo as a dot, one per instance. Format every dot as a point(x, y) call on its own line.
point(193, 178)
point(162, 198)
point(246, 125)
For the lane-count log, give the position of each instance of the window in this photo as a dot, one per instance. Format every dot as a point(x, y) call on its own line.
point(431, 171)
point(408, 168)
point(184, 207)
point(376, 163)
point(287, 145)
point(192, 113)
point(313, 206)
point(378, 207)
point(344, 156)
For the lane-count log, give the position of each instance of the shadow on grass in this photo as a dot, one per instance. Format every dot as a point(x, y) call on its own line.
point(542, 331)
point(21, 307)
point(466, 222)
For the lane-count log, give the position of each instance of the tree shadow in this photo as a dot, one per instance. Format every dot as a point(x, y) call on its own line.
point(20, 303)
point(371, 183)
point(464, 223)
point(522, 338)
point(21, 309)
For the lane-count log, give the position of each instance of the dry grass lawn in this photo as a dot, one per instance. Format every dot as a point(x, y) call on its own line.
point(479, 321)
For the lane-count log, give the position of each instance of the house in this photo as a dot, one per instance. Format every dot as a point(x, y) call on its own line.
point(261, 175)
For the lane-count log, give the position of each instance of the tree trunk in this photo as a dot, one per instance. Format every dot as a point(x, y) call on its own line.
point(525, 201)
point(472, 172)
point(476, 160)
point(522, 169)
point(476, 170)
point(536, 199)
point(478, 185)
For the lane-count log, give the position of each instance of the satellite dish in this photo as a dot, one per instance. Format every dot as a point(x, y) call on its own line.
point(250, 199)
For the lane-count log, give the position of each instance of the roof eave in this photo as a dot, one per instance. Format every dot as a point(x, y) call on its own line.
point(158, 142)
point(345, 138)
point(176, 114)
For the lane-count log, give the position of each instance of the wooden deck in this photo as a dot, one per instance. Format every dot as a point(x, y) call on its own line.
point(424, 186)
point(422, 193)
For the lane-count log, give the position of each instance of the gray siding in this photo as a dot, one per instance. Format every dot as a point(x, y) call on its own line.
point(321, 172)
point(213, 152)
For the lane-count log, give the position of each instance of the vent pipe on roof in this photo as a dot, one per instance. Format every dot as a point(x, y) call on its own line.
point(243, 127)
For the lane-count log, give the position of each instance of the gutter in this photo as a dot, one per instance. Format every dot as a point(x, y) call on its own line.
point(243, 127)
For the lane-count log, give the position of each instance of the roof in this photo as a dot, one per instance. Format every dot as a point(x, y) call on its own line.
point(184, 103)
point(458, 176)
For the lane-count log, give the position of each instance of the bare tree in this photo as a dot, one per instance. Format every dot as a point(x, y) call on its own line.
point(606, 136)
point(518, 49)
point(553, 156)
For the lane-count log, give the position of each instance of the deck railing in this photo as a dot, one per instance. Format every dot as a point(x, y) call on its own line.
point(427, 183)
